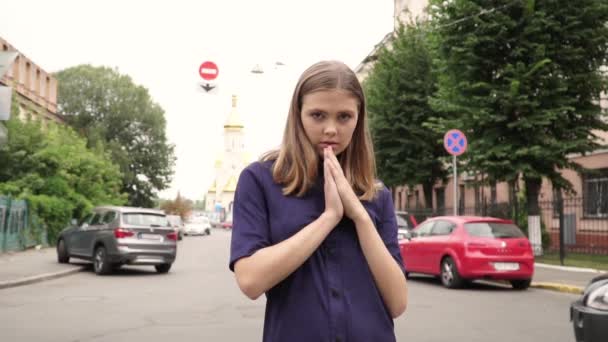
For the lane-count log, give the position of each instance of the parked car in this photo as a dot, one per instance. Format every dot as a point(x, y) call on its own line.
point(115, 236)
point(198, 225)
point(177, 223)
point(464, 248)
point(405, 223)
point(589, 314)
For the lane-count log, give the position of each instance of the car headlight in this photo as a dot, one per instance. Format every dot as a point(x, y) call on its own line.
point(598, 298)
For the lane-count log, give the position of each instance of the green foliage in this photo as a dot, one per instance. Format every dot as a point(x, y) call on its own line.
point(114, 113)
point(522, 79)
point(398, 89)
point(56, 173)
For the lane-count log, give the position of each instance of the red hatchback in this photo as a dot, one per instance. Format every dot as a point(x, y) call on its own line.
point(463, 248)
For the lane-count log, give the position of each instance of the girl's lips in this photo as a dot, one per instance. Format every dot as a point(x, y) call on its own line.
point(332, 145)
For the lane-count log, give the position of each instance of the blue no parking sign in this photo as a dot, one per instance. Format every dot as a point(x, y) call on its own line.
point(455, 142)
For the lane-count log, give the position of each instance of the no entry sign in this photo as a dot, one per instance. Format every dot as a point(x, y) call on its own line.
point(208, 71)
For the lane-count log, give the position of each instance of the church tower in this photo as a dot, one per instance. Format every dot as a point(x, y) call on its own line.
point(229, 165)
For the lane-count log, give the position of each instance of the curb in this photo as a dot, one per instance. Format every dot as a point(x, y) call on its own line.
point(558, 287)
point(568, 268)
point(38, 278)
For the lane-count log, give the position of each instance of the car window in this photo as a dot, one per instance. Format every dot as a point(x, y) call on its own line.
point(145, 219)
point(109, 217)
point(96, 219)
point(493, 230)
point(425, 229)
point(443, 228)
point(401, 221)
point(86, 219)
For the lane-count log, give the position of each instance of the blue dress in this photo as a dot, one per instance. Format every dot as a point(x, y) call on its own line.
point(332, 296)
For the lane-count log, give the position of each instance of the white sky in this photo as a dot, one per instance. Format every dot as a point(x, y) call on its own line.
point(160, 44)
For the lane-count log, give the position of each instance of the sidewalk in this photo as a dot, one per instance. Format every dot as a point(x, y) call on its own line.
point(32, 265)
point(21, 268)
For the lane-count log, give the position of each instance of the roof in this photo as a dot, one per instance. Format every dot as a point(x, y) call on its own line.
point(213, 187)
point(231, 185)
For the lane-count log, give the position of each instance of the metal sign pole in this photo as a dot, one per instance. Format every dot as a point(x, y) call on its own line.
point(455, 180)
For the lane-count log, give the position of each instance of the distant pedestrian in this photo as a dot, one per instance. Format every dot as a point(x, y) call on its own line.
point(314, 229)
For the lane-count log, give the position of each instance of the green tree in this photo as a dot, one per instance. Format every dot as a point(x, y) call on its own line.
point(111, 111)
point(398, 90)
point(56, 173)
point(522, 79)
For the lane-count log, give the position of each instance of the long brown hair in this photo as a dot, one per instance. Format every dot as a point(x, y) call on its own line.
point(296, 162)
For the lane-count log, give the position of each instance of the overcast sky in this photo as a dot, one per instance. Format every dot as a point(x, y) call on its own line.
point(161, 44)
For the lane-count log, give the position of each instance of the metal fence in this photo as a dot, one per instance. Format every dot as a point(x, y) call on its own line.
point(581, 227)
point(19, 229)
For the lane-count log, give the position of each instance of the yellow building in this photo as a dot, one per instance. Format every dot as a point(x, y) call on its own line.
point(229, 164)
point(35, 90)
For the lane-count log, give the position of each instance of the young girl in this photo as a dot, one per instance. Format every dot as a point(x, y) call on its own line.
point(312, 227)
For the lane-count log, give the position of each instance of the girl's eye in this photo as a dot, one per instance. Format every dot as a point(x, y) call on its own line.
point(316, 115)
point(344, 117)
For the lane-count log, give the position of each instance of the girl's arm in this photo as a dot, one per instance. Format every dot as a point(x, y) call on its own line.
point(268, 266)
point(387, 274)
point(265, 268)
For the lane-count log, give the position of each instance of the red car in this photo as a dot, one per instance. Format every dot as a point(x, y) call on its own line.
point(464, 248)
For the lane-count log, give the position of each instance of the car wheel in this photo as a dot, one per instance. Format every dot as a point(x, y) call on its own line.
point(450, 277)
point(62, 252)
point(163, 268)
point(101, 265)
point(207, 231)
point(521, 284)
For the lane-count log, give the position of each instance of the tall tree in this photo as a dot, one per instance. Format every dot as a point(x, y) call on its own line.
point(110, 110)
point(56, 173)
point(398, 90)
point(522, 78)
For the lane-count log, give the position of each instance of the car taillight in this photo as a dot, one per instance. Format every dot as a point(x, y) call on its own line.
point(121, 233)
point(172, 236)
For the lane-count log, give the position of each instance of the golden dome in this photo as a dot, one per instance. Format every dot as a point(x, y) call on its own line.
point(234, 119)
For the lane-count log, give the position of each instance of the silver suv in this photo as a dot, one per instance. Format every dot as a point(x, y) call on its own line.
point(116, 236)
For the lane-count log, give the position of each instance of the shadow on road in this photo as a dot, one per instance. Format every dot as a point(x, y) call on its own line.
point(478, 285)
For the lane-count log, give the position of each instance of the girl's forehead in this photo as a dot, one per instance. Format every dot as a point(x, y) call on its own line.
point(329, 95)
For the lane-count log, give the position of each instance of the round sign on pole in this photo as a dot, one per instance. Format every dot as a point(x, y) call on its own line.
point(208, 71)
point(455, 142)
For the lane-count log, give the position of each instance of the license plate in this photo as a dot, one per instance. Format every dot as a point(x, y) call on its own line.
point(145, 236)
point(506, 266)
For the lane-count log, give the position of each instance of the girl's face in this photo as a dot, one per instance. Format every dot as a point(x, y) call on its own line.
point(329, 118)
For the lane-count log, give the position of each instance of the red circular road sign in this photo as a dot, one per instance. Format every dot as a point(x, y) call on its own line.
point(208, 71)
point(455, 142)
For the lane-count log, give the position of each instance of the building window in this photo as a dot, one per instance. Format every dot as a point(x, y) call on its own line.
point(595, 193)
point(28, 75)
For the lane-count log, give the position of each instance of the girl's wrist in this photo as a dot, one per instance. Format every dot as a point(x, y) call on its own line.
point(330, 218)
point(362, 217)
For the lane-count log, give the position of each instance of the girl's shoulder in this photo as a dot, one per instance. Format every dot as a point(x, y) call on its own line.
point(261, 171)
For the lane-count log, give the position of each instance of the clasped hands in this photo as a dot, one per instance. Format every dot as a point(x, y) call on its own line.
point(340, 199)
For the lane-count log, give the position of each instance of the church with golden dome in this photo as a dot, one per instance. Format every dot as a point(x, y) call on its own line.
point(228, 166)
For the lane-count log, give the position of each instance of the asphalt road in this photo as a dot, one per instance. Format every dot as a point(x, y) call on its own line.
point(200, 301)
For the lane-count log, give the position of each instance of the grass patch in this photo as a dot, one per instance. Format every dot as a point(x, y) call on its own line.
point(599, 262)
